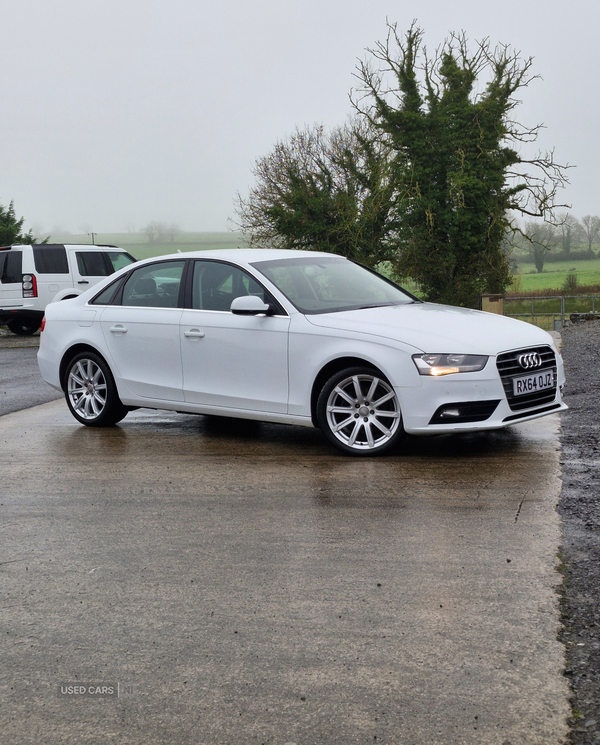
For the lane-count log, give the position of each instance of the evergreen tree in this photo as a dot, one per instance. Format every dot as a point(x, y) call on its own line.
point(461, 175)
point(11, 228)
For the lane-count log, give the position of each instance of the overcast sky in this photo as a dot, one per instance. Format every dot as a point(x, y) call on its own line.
point(118, 112)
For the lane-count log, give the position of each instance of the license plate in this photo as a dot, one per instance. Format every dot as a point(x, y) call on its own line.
point(533, 383)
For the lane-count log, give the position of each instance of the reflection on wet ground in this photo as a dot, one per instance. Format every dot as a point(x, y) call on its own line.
point(258, 586)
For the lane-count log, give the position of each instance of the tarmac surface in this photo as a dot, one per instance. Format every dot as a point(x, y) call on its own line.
point(244, 583)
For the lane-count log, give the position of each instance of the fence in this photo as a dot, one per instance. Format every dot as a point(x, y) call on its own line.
point(550, 312)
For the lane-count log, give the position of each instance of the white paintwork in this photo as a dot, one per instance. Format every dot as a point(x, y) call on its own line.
point(50, 287)
point(264, 367)
point(240, 362)
point(142, 346)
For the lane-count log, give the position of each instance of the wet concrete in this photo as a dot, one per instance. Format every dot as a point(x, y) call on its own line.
point(257, 587)
point(21, 385)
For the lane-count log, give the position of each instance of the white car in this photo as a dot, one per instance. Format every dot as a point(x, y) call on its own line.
point(295, 337)
point(31, 276)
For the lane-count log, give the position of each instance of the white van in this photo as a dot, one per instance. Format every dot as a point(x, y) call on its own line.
point(33, 276)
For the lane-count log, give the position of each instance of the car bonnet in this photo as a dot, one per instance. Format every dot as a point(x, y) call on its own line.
point(437, 328)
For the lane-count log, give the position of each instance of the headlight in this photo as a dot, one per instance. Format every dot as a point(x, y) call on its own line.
point(447, 364)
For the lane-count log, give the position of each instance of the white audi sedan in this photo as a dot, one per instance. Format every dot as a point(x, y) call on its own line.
point(294, 337)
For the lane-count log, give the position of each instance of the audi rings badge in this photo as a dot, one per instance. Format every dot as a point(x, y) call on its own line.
point(530, 361)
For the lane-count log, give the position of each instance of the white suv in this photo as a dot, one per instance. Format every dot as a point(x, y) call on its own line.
point(33, 276)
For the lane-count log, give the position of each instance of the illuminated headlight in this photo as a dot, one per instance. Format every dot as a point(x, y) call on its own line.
point(448, 364)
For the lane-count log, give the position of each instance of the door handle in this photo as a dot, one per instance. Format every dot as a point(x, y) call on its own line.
point(83, 282)
point(118, 329)
point(194, 334)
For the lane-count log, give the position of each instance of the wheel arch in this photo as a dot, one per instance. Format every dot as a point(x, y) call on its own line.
point(68, 356)
point(330, 369)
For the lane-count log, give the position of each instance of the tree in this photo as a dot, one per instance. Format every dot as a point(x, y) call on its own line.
point(542, 238)
point(570, 229)
point(156, 232)
point(11, 228)
point(172, 230)
point(590, 226)
point(460, 178)
point(325, 192)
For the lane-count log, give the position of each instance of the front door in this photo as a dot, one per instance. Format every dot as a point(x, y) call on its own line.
point(232, 361)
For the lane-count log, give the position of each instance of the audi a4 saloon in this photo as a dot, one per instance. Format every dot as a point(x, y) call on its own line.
point(295, 337)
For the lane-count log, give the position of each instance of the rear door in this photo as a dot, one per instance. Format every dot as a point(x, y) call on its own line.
point(142, 331)
point(52, 272)
point(11, 276)
point(89, 267)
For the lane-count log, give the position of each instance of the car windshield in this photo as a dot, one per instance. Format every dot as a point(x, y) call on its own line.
point(329, 285)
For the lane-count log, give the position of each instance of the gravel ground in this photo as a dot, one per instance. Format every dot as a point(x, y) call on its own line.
point(579, 508)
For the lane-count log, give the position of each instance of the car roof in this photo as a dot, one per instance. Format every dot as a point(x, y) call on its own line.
point(245, 255)
point(90, 246)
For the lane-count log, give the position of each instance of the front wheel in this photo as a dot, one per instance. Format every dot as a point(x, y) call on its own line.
point(91, 392)
point(359, 412)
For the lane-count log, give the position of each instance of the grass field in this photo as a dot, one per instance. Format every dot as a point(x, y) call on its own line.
point(527, 280)
point(554, 276)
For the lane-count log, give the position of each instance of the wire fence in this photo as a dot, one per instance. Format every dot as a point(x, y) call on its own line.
point(550, 312)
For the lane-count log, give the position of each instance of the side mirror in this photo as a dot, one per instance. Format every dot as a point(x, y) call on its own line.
point(249, 305)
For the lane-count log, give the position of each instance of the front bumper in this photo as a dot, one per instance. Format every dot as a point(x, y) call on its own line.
point(479, 393)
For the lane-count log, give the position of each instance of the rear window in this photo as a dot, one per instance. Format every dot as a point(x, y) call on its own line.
point(50, 259)
point(11, 264)
point(101, 263)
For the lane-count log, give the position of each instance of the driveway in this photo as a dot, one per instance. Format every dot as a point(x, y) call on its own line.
point(243, 583)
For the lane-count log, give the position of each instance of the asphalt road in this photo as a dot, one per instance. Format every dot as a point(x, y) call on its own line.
point(21, 385)
point(244, 583)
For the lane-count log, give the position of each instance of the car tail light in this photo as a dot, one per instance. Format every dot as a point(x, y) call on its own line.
point(42, 327)
point(29, 285)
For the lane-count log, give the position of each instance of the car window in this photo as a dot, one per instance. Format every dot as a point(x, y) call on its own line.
point(11, 267)
point(154, 285)
point(107, 295)
point(215, 284)
point(92, 264)
point(101, 263)
point(327, 285)
point(50, 259)
point(119, 259)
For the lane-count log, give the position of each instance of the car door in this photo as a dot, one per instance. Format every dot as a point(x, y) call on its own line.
point(91, 266)
point(142, 331)
point(232, 361)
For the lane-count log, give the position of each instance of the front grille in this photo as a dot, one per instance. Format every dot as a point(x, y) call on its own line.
point(509, 368)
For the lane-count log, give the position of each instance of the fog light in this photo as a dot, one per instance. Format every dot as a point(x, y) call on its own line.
point(450, 413)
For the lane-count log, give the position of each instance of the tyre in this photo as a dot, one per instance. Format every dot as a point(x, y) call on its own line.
point(91, 392)
point(358, 411)
point(23, 328)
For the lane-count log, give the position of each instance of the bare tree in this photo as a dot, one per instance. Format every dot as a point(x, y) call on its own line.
point(325, 191)
point(570, 230)
point(172, 230)
point(155, 232)
point(541, 238)
point(591, 230)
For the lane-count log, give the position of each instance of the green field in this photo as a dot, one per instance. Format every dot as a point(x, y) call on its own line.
point(138, 245)
point(527, 280)
point(554, 276)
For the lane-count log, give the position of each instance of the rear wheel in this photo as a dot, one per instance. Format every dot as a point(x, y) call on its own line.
point(359, 412)
point(24, 328)
point(91, 392)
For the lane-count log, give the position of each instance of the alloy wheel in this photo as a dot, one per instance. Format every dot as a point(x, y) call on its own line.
point(363, 412)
